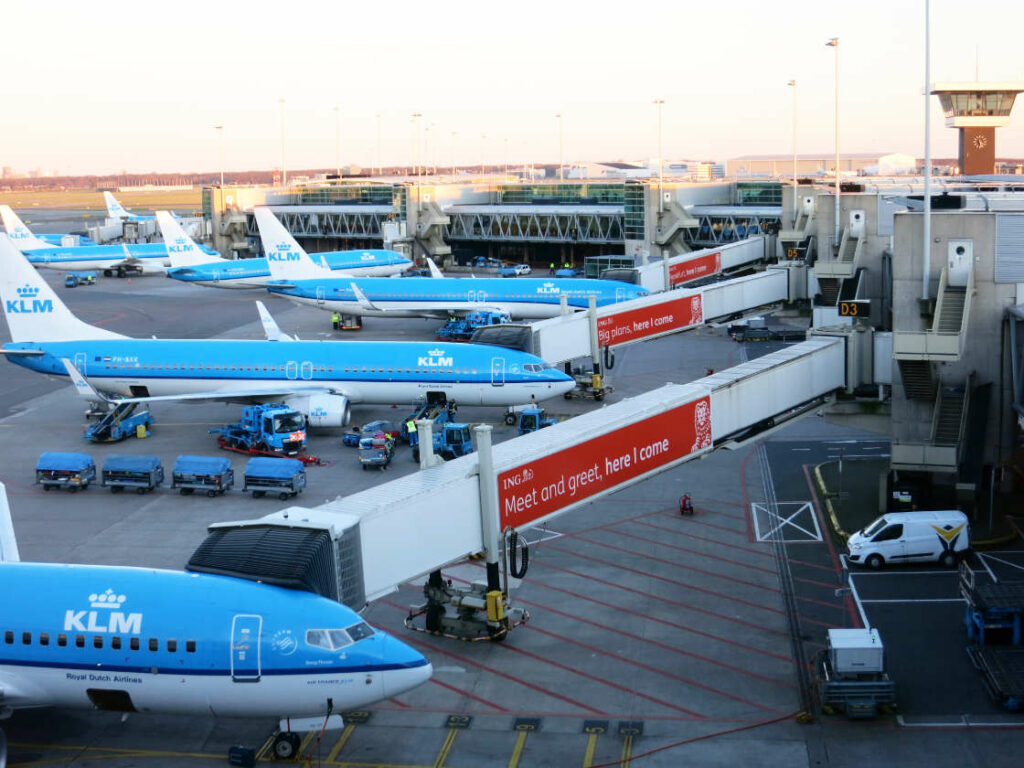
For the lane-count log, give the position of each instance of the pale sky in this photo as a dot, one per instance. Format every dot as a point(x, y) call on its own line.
point(139, 86)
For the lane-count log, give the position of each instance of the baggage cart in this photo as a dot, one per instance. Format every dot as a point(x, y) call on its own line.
point(56, 469)
point(284, 477)
point(212, 474)
point(143, 473)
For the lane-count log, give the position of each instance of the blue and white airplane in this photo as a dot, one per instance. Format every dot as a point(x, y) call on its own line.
point(117, 211)
point(189, 265)
point(298, 278)
point(58, 239)
point(151, 258)
point(321, 379)
point(133, 639)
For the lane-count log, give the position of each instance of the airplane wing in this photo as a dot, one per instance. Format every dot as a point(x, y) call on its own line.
point(434, 271)
point(364, 302)
point(271, 329)
point(89, 392)
point(368, 305)
point(22, 352)
point(8, 543)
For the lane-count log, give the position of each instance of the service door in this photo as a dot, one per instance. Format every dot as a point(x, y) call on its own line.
point(80, 358)
point(245, 648)
point(321, 294)
point(307, 370)
point(498, 371)
point(620, 295)
point(291, 370)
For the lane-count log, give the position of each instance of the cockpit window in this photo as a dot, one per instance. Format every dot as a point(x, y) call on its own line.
point(358, 631)
point(335, 639)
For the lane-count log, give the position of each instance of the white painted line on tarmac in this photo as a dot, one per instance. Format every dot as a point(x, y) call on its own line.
point(860, 606)
point(962, 723)
point(985, 564)
point(917, 600)
point(905, 573)
point(985, 557)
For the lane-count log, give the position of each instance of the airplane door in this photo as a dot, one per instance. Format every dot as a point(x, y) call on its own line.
point(245, 648)
point(307, 370)
point(497, 371)
point(321, 294)
point(291, 370)
point(80, 359)
point(620, 295)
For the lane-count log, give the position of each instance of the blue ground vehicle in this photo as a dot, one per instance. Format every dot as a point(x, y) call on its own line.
point(143, 473)
point(284, 477)
point(74, 279)
point(566, 272)
point(436, 409)
point(212, 474)
point(272, 428)
point(376, 451)
point(450, 440)
point(463, 329)
point(56, 469)
point(532, 419)
point(120, 422)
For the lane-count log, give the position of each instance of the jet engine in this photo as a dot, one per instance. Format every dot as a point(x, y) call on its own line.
point(322, 410)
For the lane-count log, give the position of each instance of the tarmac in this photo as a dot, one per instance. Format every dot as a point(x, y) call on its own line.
point(654, 639)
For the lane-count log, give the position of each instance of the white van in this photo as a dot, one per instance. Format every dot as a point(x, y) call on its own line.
point(940, 536)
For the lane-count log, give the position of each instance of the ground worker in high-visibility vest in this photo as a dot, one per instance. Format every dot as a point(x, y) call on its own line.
point(335, 320)
point(410, 427)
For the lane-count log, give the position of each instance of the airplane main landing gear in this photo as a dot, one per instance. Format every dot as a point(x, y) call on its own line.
point(286, 745)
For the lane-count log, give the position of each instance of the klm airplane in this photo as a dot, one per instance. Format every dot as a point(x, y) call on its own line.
point(189, 265)
point(319, 378)
point(298, 278)
point(117, 211)
point(146, 257)
point(148, 640)
point(55, 239)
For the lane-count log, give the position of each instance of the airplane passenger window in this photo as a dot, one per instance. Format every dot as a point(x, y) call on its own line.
point(172, 646)
point(190, 646)
point(154, 644)
point(79, 641)
point(44, 638)
point(134, 643)
point(26, 638)
point(62, 640)
point(9, 637)
point(115, 643)
point(97, 641)
point(358, 631)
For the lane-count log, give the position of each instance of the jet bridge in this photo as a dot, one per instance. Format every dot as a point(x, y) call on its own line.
point(387, 535)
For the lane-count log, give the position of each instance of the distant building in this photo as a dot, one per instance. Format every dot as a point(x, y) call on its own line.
point(807, 164)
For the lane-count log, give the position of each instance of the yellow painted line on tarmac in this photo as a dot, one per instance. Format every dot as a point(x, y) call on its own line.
point(446, 747)
point(345, 736)
point(517, 751)
point(103, 753)
point(264, 753)
point(627, 751)
point(588, 756)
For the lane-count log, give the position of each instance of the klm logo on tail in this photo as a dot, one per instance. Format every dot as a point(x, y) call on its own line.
point(27, 303)
point(283, 253)
point(20, 233)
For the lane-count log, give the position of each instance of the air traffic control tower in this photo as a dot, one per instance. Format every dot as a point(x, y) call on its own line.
point(977, 109)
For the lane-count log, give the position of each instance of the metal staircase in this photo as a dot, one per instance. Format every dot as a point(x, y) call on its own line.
point(944, 448)
point(919, 381)
point(944, 341)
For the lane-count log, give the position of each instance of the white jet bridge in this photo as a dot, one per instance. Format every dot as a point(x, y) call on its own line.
point(387, 535)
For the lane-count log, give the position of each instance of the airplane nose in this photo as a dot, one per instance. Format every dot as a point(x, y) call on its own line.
point(406, 667)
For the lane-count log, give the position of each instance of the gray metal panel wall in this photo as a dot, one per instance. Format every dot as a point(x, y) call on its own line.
point(1009, 266)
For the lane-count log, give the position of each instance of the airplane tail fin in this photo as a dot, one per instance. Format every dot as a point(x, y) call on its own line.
point(8, 544)
point(19, 234)
point(114, 209)
point(271, 329)
point(285, 257)
point(434, 271)
point(181, 248)
point(34, 312)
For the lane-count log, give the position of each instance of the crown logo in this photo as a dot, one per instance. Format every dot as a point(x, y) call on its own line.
point(435, 352)
point(28, 291)
point(106, 599)
point(179, 241)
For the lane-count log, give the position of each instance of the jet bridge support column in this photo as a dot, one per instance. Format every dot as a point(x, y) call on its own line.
point(489, 521)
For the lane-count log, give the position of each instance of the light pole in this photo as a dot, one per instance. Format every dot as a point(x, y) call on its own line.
point(661, 162)
point(506, 157)
point(451, 154)
point(792, 84)
point(380, 170)
point(437, 140)
point(220, 152)
point(284, 171)
point(416, 116)
point(834, 43)
point(561, 165)
point(337, 139)
point(483, 144)
point(926, 256)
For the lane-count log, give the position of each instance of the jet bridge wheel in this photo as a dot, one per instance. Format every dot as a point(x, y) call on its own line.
point(286, 745)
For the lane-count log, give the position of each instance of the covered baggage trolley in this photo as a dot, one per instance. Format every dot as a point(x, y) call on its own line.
point(56, 469)
point(212, 474)
point(285, 477)
point(143, 473)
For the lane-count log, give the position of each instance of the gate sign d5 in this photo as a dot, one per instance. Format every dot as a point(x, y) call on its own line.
point(531, 491)
point(652, 320)
point(702, 266)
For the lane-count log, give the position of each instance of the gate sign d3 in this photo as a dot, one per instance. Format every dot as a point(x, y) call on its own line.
point(531, 491)
point(702, 266)
point(652, 320)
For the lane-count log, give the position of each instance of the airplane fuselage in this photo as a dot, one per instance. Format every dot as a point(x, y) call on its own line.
point(134, 639)
point(364, 372)
point(527, 298)
point(151, 257)
point(254, 273)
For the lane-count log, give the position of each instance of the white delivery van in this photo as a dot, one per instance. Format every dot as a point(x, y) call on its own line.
point(940, 536)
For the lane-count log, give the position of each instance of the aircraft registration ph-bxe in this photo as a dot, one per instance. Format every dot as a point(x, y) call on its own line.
point(148, 257)
point(297, 277)
point(132, 639)
point(318, 378)
point(190, 265)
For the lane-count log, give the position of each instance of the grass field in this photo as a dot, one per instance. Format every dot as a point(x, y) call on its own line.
point(138, 202)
